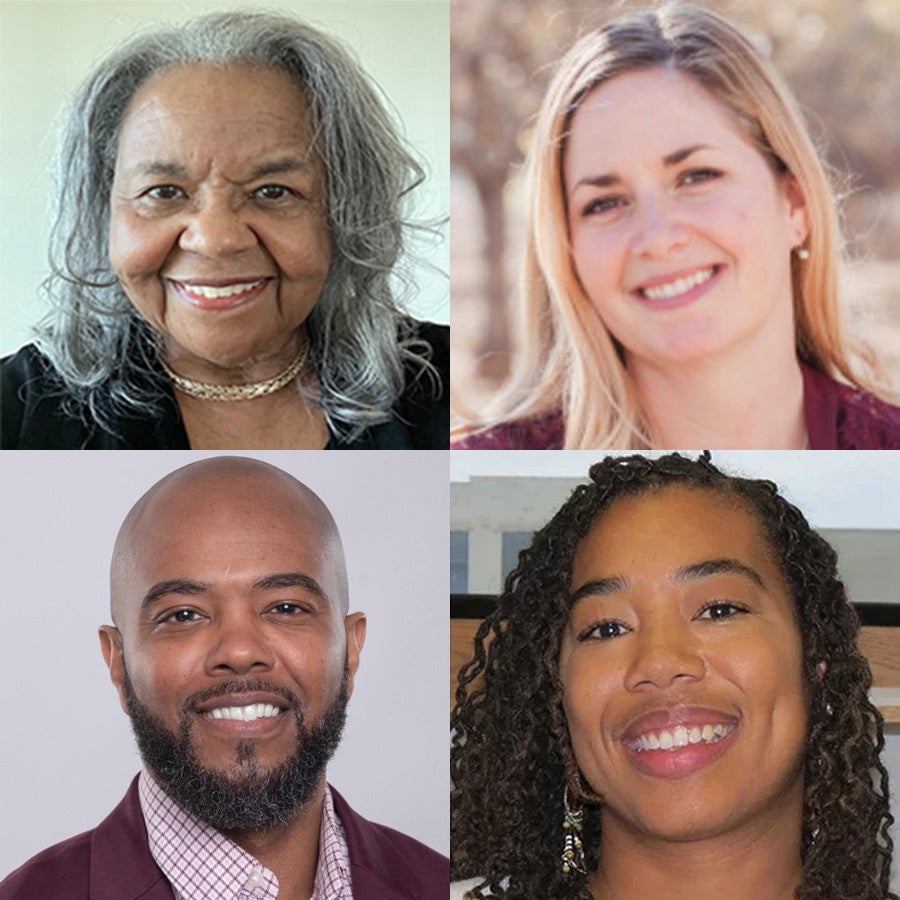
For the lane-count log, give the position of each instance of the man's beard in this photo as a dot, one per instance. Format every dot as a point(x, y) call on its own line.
point(254, 797)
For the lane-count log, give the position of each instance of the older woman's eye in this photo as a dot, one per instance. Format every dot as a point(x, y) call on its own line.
point(164, 192)
point(274, 192)
point(721, 609)
point(604, 631)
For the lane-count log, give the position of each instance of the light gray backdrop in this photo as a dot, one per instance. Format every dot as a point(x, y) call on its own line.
point(67, 751)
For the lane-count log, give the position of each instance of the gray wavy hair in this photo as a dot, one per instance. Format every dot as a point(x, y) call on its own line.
point(359, 339)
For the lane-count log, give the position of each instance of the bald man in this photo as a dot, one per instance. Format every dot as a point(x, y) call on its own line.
point(234, 653)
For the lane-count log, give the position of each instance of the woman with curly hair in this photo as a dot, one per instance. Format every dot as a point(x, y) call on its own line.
point(681, 277)
point(669, 701)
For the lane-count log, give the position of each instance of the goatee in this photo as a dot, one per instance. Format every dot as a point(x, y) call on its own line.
point(254, 797)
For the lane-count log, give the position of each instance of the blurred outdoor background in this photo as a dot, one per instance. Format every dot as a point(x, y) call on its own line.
point(841, 58)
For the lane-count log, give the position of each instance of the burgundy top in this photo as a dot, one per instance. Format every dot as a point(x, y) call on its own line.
point(838, 417)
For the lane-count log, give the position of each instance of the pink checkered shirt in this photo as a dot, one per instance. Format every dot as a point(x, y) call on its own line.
point(202, 863)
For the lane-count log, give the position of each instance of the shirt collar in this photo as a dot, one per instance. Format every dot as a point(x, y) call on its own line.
point(200, 861)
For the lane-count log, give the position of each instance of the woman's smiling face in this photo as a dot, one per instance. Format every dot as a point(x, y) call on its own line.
point(219, 227)
point(681, 666)
point(680, 230)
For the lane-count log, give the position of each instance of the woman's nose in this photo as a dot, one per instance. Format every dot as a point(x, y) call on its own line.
point(662, 654)
point(239, 646)
point(660, 228)
point(217, 229)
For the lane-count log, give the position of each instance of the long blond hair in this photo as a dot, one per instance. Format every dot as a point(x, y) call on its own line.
point(567, 359)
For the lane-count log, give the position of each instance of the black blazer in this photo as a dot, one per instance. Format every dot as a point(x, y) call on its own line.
point(32, 416)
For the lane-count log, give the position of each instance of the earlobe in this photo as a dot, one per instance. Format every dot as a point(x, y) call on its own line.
point(113, 654)
point(799, 213)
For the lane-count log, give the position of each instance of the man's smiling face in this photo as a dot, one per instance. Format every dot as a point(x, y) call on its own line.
point(233, 649)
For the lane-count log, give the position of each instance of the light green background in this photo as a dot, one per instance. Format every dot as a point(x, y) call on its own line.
point(48, 48)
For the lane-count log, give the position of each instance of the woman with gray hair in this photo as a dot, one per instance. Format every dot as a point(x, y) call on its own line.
point(229, 215)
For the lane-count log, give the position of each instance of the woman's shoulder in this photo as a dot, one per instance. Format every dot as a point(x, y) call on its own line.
point(26, 376)
point(841, 417)
point(36, 415)
point(423, 410)
point(545, 432)
point(25, 365)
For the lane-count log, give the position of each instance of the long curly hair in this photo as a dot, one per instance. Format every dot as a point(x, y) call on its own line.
point(104, 353)
point(511, 754)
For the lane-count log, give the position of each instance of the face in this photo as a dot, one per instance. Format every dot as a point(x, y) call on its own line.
point(219, 227)
point(680, 231)
point(233, 649)
point(681, 665)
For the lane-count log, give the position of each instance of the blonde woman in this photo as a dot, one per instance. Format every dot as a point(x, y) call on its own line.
point(681, 275)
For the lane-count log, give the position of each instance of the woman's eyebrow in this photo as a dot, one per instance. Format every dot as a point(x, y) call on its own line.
point(280, 166)
point(158, 167)
point(609, 179)
point(726, 566)
point(271, 167)
point(603, 587)
point(599, 587)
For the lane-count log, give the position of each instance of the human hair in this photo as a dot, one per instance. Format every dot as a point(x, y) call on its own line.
point(511, 753)
point(358, 338)
point(567, 360)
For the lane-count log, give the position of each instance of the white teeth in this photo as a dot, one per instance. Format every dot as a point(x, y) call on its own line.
point(212, 293)
point(244, 713)
point(681, 286)
point(681, 737)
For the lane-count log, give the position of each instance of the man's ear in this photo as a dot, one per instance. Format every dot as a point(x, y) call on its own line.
point(355, 628)
point(111, 645)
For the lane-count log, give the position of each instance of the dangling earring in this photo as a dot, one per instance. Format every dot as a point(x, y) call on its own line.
point(573, 849)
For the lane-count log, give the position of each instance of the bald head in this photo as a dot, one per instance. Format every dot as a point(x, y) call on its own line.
point(222, 516)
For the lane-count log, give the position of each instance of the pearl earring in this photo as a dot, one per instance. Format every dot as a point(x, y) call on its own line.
point(802, 253)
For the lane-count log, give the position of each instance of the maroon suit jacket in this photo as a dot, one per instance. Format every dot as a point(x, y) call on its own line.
point(113, 862)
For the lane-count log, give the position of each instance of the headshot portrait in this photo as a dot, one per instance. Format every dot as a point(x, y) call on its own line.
point(273, 627)
point(246, 243)
point(671, 265)
point(671, 695)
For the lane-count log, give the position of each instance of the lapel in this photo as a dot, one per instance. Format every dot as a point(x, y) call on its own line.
point(121, 865)
point(378, 870)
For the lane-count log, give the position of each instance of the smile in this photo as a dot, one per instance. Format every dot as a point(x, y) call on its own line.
point(220, 296)
point(230, 290)
point(248, 713)
point(680, 737)
point(680, 286)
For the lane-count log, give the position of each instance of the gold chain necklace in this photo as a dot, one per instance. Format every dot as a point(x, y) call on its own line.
point(228, 393)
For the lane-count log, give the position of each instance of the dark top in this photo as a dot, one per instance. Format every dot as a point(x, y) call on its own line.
point(838, 417)
point(32, 416)
point(113, 862)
